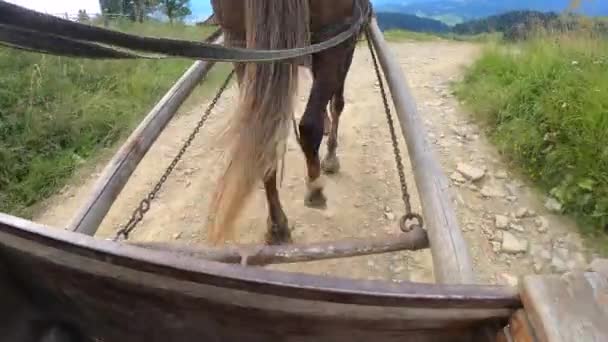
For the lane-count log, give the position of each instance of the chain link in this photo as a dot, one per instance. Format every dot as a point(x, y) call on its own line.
point(410, 219)
point(144, 205)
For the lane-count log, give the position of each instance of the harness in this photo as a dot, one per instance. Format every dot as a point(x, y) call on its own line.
point(30, 30)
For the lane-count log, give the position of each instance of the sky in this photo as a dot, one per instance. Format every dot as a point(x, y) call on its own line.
point(201, 8)
point(60, 6)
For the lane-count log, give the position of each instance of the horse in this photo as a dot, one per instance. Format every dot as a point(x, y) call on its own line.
point(257, 132)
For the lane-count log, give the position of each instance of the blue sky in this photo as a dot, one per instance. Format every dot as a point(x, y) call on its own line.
point(201, 9)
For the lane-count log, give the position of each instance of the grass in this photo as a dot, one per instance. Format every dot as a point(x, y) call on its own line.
point(402, 35)
point(57, 113)
point(545, 105)
point(396, 35)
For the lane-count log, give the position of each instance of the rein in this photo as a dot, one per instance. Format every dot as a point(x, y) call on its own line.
point(30, 30)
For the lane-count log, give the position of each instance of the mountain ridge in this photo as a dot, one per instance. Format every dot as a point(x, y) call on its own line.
point(474, 9)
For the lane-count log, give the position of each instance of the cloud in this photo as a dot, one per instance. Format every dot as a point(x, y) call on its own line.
point(59, 6)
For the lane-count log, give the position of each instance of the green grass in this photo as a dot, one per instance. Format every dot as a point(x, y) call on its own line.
point(56, 113)
point(494, 37)
point(545, 104)
point(402, 35)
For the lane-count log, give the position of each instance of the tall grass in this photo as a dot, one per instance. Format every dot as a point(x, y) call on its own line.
point(396, 35)
point(56, 113)
point(545, 102)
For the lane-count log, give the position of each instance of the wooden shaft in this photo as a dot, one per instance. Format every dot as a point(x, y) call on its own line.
point(116, 174)
point(451, 260)
point(265, 255)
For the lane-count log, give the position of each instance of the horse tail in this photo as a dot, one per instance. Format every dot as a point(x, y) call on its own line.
point(259, 128)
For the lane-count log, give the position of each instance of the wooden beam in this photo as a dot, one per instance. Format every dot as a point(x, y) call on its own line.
point(71, 254)
point(451, 260)
point(116, 174)
point(568, 308)
point(257, 255)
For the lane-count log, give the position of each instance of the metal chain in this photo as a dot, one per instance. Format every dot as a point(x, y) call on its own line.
point(144, 205)
point(410, 219)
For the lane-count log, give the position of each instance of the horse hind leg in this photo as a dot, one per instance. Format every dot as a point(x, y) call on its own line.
point(278, 227)
point(326, 124)
point(331, 163)
point(329, 72)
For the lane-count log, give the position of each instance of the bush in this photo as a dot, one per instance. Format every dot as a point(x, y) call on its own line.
point(546, 108)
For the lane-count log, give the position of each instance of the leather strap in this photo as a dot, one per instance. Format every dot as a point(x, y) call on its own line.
point(74, 37)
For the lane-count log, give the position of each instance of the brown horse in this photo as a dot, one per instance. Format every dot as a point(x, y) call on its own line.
point(260, 126)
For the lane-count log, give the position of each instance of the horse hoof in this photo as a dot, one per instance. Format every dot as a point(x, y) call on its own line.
point(278, 234)
point(330, 165)
point(316, 200)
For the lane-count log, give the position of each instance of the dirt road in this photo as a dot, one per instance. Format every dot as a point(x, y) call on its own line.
point(508, 228)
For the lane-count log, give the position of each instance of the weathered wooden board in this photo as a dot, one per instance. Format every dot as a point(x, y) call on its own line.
point(452, 262)
point(568, 308)
point(118, 292)
point(520, 327)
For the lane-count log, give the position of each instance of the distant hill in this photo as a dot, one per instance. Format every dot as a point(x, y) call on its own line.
point(388, 21)
point(504, 22)
point(474, 9)
point(519, 25)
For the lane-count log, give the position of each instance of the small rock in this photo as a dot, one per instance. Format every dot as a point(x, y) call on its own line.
point(328, 214)
point(517, 228)
point(177, 236)
point(457, 177)
point(511, 198)
point(470, 172)
point(558, 265)
point(491, 191)
point(553, 205)
point(370, 263)
point(501, 174)
point(538, 267)
point(389, 216)
point(507, 279)
point(523, 213)
point(542, 224)
point(189, 172)
point(577, 262)
point(501, 222)
point(495, 246)
point(510, 244)
point(388, 209)
point(473, 187)
point(459, 131)
point(562, 253)
point(511, 188)
point(545, 254)
point(398, 269)
point(497, 236)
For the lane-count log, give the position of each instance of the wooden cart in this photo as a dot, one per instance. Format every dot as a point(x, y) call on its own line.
point(67, 285)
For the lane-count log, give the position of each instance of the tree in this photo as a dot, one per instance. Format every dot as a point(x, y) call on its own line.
point(111, 6)
point(142, 7)
point(176, 9)
point(83, 17)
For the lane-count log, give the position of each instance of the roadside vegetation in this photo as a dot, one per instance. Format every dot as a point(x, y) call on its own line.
point(57, 113)
point(545, 103)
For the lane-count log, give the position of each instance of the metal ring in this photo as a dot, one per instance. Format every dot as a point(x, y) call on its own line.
point(410, 221)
